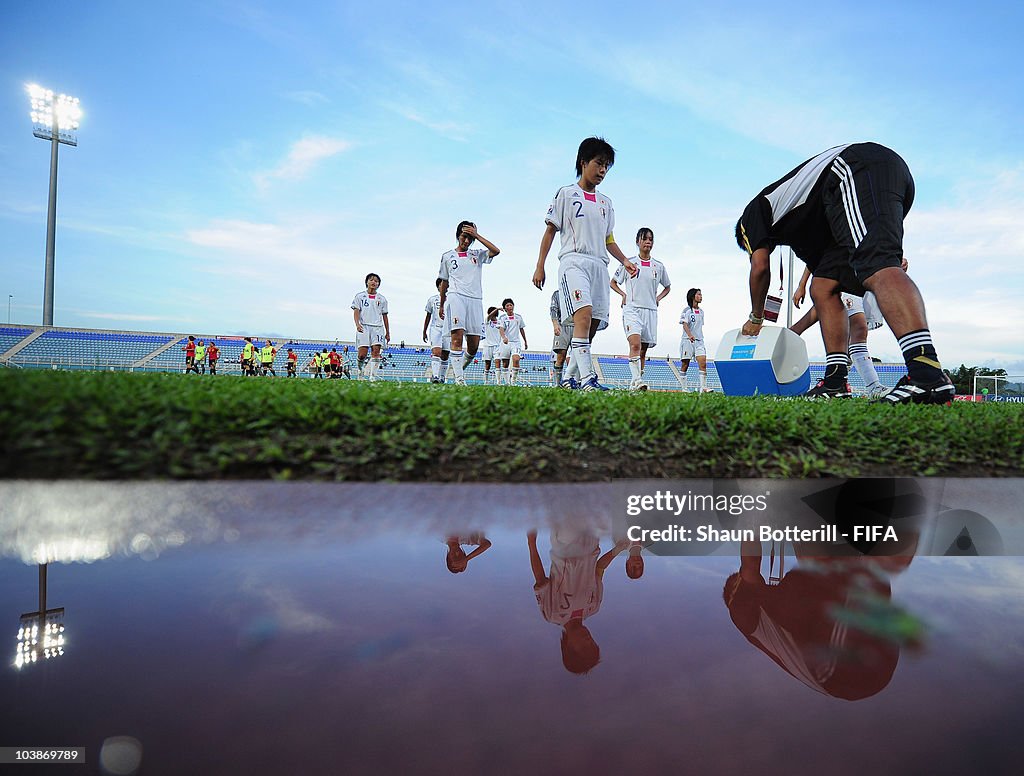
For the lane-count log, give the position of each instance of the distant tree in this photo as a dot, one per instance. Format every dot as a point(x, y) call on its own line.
point(963, 378)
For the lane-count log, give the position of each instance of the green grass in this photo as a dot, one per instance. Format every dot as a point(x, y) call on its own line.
point(142, 426)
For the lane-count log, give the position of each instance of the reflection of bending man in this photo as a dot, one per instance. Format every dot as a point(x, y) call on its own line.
point(831, 625)
point(572, 589)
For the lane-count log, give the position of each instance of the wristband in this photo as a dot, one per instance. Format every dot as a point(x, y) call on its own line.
point(755, 320)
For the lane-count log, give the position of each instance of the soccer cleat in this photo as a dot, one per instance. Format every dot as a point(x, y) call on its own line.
point(819, 391)
point(460, 380)
point(876, 391)
point(909, 392)
point(591, 384)
point(570, 383)
point(638, 385)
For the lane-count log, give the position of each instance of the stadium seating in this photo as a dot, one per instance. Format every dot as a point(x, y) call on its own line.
point(107, 350)
point(11, 336)
point(71, 349)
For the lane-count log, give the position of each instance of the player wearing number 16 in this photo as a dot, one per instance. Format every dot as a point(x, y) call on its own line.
point(585, 219)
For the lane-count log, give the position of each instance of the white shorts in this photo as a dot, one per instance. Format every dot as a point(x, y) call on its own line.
point(490, 352)
point(370, 336)
point(642, 321)
point(866, 305)
point(688, 350)
point(582, 282)
point(438, 339)
point(505, 352)
point(465, 313)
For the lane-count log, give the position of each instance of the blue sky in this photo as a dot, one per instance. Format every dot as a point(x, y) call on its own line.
point(241, 166)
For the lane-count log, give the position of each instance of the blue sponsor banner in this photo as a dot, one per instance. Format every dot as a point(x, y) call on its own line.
point(1013, 399)
point(743, 351)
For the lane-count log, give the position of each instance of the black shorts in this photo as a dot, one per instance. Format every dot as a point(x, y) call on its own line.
point(868, 194)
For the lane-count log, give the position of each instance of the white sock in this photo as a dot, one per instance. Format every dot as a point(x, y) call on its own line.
point(634, 368)
point(703, 380)
point(444, 369)
point(456, 359)
point(558, 374)
point(374, 366)
point(581, 355)
point(862, 361)
point(435, 367)
point(515, 375)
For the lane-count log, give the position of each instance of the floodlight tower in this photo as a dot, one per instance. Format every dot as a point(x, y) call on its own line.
point(54, 118)
point(44, 625)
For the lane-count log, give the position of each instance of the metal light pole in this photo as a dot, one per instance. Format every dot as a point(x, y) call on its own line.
point(54, 118)
point(9, 298)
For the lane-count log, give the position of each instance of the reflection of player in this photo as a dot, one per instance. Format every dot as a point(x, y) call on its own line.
point(572, 590)
point(457, 560)
point(832, 626)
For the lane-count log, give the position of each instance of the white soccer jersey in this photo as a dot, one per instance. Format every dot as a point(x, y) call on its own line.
point(462, 270)
point(492, 332)
point(512, 325)
point(585, 221)
point(695, 320)
point(372, 309)
point(433, 306)
point(642, 290)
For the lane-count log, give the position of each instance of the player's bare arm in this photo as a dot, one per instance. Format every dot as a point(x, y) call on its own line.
point(662, 295)
point(545, 247)
point(616, 252)
point(539, 577)
point(618, 290)
point(387, 328)
point(522, 331)
point(492, 249)
point(426, 322)
point(557, 327)
point(801, 289)
point(355, 317)
point(443, 291)
point(760, 279)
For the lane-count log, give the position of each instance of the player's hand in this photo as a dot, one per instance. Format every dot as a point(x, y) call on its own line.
point(558, 330)
point(904, 265)
point(751, 329)
point(440, 313)
point(470, 231)
point(623, 304)
point(692, 339)
point(798, 296)
point(631, 268)
point(504, 340)
point(539, 277)
point(387, 337)
point(359, 328)
point(424, 336)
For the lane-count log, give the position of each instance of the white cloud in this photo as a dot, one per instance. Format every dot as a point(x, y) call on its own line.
point(303, 156)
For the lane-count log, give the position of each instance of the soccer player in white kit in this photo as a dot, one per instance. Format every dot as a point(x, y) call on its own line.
point(692, 344)
point(640, 300)
point(462, 307)
point(585, 218)
point(513, 339)
point(370, 312)
point(433, 332)
point(492, 344)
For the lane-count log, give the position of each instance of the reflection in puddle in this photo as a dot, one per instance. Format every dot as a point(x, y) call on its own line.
point(234, 628)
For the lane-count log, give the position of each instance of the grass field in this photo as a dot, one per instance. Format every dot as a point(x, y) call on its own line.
point(141, 426)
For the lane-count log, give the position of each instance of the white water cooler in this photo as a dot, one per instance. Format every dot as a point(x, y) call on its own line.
point(774, 362)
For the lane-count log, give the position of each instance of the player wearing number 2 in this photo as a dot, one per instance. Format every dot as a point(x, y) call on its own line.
point(585, 219)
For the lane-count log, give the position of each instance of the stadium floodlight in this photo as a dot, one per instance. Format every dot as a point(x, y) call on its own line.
point(40, 633)
point(55, 117)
